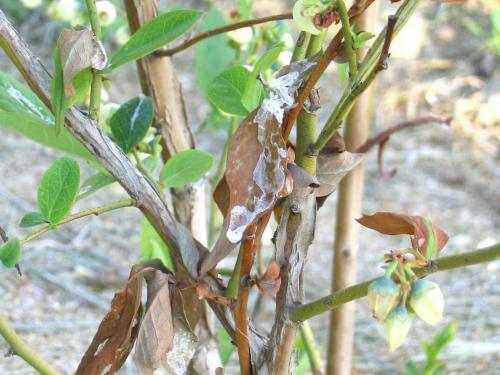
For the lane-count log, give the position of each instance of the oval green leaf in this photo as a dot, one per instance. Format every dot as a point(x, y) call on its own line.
point(10, 252)
point(186, 167)
point(130, 123)
point(213, 54)
point(57, 190)
point(43, 133)
point(31, 219)
point(227, 89)
point(18, 98)
point(155, 34)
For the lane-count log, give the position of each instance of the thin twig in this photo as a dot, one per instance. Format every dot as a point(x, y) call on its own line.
point(92, 211)
point(312, 350)
point(95, 89)
point(374, 62)
point(382, 138)
point(22, 349)
point(221, 30)
point(352, 57)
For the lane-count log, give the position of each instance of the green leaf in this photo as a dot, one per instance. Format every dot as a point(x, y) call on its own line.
point(43, 133)
point(152, 246)
point(442, 339)
point(95, 183)
point(227, 89)
point(130, 123)
point(362, 37)
point(155, 34)
point(225, 346)
point(245, 9)
point(81, 84)
point(186, 167)
point(252, 95)
point(16, 97)
point(59, 101)
point(31, 219)
point(411, 369)
point(10, 252)
point(57, 190)
point(212, 55)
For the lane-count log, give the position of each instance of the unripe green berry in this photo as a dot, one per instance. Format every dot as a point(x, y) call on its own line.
point(427, 300)
point(383, 296)
point(397, 325)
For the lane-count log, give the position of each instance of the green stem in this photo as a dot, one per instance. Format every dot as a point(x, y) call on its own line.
point(300, 50)
point(92, 211)
point(307, 120)
point(331, 302)
point(233, 285)
point(348, 39)
point(24, 351)
point(365, 76)
point(311, 348)
point(95, 89)
point(391, 267)
point(306, 133)
point(145, 172)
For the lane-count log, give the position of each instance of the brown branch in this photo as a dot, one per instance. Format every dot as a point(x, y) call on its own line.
point(221, 30)
point(386, 134)
point(382, 138)
point(384, 55)
point(253, 237)
point(330, 53)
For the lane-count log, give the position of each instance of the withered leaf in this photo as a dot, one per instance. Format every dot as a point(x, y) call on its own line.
point(255, 171)
point(332, 168)
point(117, 332)
point(300, 178)
point(429, 239)
point(156, 333)
point(79, 50)
point(270, 282)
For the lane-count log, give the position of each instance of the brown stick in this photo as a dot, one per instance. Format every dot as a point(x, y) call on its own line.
point(221, 30)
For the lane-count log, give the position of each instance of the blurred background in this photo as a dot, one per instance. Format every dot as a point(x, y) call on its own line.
point(445, 62)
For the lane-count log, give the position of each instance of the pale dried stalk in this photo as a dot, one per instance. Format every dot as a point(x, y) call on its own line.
point(350, 194)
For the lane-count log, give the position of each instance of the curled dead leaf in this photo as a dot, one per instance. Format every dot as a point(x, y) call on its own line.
point(428, 238)
point(79, 50)
point(331, 168)
point(117, 332)
point(270, 282)
point(156, 333)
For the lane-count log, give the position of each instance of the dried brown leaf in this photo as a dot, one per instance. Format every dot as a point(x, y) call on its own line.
point(332, 168)
point(156, 333)
point(270, 282)
point(429, 239)
point(301, 179)
point(79, 50)
point(117, 332)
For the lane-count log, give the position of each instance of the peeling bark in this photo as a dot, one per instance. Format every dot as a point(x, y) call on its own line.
point(295, 234)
